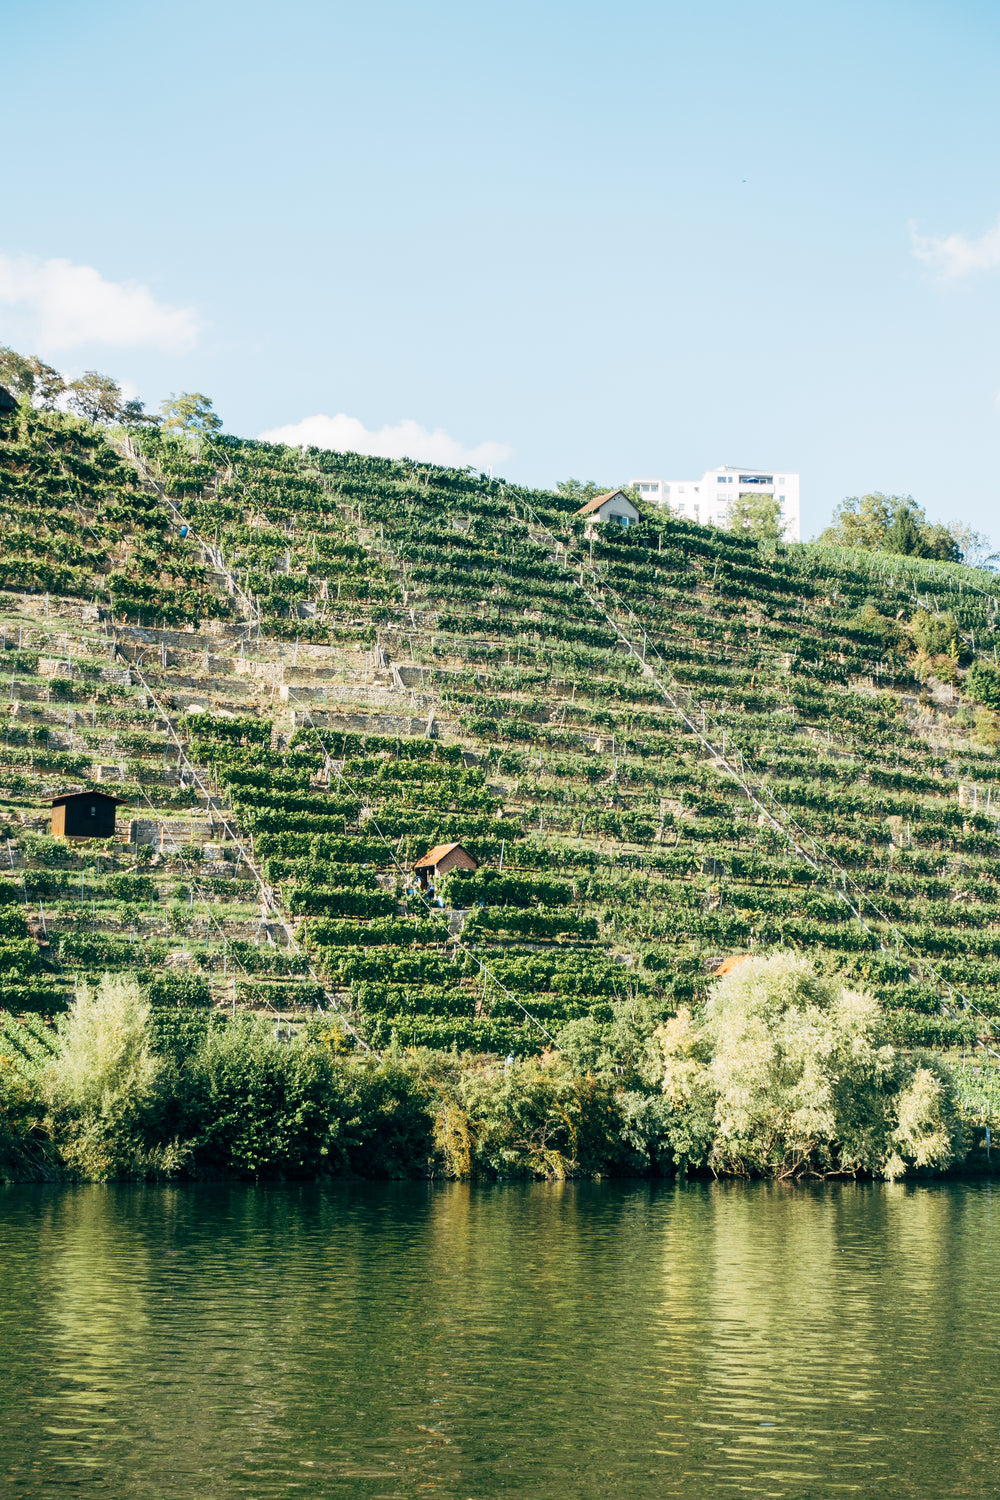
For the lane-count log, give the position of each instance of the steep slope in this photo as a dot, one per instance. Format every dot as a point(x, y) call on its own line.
point(665, 746)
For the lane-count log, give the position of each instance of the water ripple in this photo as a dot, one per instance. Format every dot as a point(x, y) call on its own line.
point(551, 1342)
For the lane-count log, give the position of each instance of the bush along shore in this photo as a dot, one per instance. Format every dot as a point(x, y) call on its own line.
point(783, 1073)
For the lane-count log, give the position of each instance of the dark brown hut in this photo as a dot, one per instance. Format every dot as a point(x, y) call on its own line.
point(84, 815)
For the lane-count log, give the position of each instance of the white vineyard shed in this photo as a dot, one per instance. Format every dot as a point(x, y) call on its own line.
point(614, 506)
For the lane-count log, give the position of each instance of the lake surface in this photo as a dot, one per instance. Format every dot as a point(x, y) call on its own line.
point(545, 1341)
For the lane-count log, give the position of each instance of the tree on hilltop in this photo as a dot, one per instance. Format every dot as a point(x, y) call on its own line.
point(890, 523)
point(191, 412)
point(757, 515)
point(99, 398)
point(903, 535)
point(30, 379)
point(976, 548)
point(580, 491)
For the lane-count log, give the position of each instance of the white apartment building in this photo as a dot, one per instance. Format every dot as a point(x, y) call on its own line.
point(707, 499)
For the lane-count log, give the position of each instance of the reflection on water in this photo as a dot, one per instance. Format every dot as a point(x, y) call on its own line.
point(400, 1340)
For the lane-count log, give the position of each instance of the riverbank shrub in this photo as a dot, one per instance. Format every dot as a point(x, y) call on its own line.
point(787, 1074)
point(783, 1073)
point(539, 1119)
point(22, 1150)
point(257, 1104)
point(107, 1089)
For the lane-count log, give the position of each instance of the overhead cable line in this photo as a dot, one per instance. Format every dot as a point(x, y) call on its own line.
point(749, 781)
point(484, 968)
point(268, 902)
point(267, 892)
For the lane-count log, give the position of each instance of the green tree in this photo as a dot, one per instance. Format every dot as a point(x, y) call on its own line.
point(99, 398)
point(756, 514)
point(863, 521)
point(108, 1088)
point(96, 397)
point(983, 683)
point(788, 1073)
point(940, 542)
point(933, 633)
point(264, 1105)
point(890, 523)
point(892, 633)
point(190, 412)
point(904, 535)
point(540, 1118)
point(30, 379)
point(580, 492)
point(21, 1112)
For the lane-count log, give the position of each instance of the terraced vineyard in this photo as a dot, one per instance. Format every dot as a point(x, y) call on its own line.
point(664, 746)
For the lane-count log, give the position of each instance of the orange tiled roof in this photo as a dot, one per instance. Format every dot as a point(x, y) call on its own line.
point(598, 501)
point(436, 855)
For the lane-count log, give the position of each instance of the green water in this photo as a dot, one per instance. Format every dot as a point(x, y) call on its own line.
point(400, 1340)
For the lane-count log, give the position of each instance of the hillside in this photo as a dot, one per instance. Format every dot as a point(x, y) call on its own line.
point(299, 671)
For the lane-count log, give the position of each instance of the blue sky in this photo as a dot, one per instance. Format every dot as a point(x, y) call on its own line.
point(585, 239)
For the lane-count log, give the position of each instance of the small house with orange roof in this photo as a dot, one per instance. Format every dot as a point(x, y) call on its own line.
point(438, 861)
point(614, 506)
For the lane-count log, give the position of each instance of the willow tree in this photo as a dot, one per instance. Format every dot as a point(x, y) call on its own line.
point(108, 1087)
point(788, 1073)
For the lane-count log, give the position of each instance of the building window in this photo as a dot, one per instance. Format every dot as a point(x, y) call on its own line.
point(721, 479)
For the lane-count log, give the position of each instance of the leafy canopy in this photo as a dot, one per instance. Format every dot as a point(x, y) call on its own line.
point(787, 1073)
point(935, 632)
point(108, 1086)
point(100, 399)
point(891, 523)
point(190, 412)
point(757, 515)
point(580, 491)
point(983, 683)
point(30, 379)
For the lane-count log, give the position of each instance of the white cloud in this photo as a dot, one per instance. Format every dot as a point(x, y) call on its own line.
point(955, 255)
point(73, 305)
point(407, 439)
